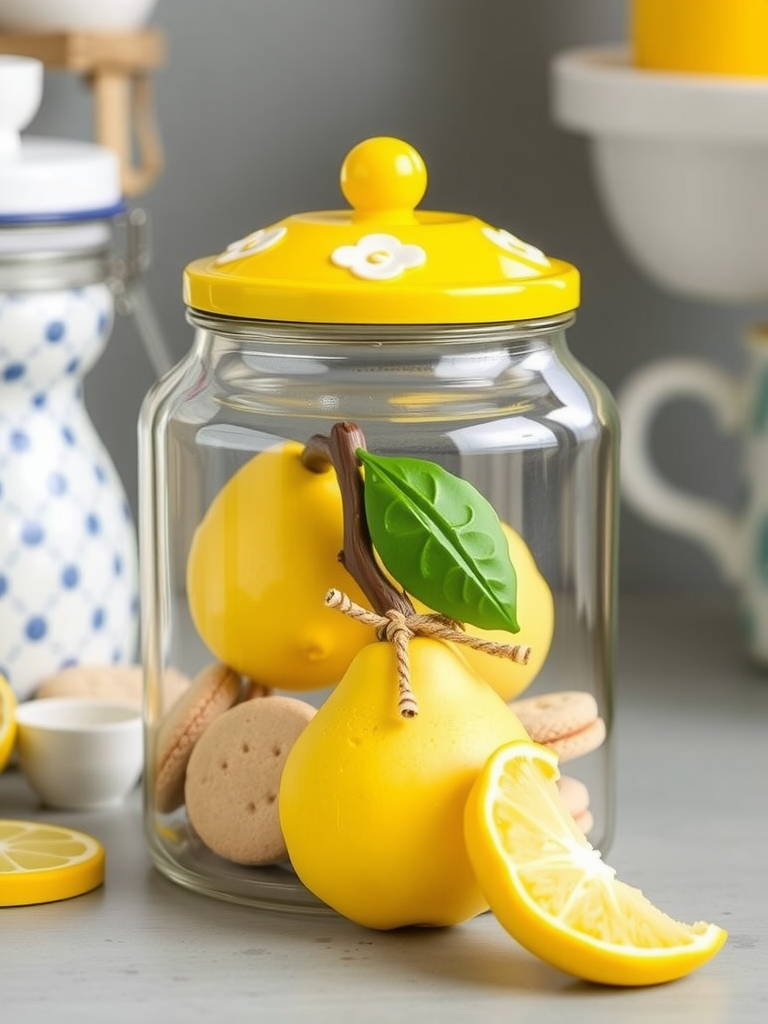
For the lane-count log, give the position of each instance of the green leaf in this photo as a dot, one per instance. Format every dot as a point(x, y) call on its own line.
point(441, 540)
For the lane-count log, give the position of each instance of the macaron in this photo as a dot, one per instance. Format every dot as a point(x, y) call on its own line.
point(254, 690)
point(123, 684)
point(233, 778)
point(567, 722)
point(213, 691)
point(575, 796)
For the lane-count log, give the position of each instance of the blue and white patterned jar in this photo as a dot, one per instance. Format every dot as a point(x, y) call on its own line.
point(68, 559)
point(67, 546)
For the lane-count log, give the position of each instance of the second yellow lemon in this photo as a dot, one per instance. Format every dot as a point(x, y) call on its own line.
point(260, 564)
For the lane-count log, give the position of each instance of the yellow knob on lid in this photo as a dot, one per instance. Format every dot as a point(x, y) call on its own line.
point(383, 178)
point(382, 261)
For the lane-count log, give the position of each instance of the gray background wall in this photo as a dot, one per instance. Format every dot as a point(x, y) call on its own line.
point(258, 103)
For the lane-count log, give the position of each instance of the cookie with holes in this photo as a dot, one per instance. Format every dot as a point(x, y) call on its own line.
point(233, 778)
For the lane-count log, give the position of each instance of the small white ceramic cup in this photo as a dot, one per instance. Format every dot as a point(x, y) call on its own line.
point(77, 753)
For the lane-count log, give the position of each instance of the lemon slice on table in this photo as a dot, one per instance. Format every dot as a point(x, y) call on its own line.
point(7, 721)
point(40, 863)
point(552, 891)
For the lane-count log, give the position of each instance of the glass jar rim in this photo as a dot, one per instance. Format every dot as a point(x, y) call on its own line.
point(299, 332)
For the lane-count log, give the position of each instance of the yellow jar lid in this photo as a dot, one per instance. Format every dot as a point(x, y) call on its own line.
point(382, 261)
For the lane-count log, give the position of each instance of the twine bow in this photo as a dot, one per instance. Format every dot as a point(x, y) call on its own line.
point(400, 629)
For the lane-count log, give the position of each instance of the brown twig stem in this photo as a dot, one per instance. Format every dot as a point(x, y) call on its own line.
point(394, 616)
point(357, 555)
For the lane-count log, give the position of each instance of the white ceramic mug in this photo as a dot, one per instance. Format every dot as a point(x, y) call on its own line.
point(738, 542)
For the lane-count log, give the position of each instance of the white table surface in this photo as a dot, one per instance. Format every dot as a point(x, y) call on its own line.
point(692, 832)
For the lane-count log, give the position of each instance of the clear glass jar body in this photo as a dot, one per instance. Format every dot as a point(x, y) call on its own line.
point(505, 406)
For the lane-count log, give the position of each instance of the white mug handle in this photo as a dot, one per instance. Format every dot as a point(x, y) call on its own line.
point(643, 487)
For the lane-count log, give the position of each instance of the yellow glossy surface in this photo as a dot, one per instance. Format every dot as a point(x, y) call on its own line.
point(553, 893)
point(7, 721)
point(40, 863)
point(372, 805)
point(382, 261)
point(722, 37)
point(259, 566)
point(383, 178)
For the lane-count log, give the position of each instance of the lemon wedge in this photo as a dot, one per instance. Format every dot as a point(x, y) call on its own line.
point(40, 863)
point(7, 721)
point(551, 890)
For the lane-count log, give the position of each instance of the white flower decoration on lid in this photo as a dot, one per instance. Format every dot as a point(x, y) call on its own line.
point(257, 241)
point(378, 257)
point(517, 247)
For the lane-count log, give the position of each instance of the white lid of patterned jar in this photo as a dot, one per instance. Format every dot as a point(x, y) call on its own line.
point(382, 261)
point(46, 180)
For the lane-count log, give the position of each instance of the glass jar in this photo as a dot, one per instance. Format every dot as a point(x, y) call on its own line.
point(500, 403)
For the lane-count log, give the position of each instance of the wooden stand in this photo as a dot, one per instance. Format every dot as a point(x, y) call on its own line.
point(117, 68)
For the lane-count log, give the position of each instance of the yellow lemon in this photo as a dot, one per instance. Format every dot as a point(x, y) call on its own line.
point(40, 863)
point(259, 566)
point(536, 616)
point(7, 721)
point(553, 893)
point(371, 804)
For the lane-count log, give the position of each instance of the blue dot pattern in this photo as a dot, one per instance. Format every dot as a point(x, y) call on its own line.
point(54, 331)
point(32, 534)
point(13, 371)
point(57, 483)
point(68, 574)
point(36, 628)
point(70, 577)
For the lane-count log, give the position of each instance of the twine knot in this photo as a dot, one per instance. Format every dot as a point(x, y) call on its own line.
point(399, 629)
point(396, 623)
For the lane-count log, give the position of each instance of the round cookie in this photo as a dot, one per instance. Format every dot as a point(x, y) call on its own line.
point(574, 793)
point(123, 684)
point(575, 796)
point(213, 691)
point(254, 690)
point(566, 722)
point(233, 778)
point(585, 821)
point(579, 743)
